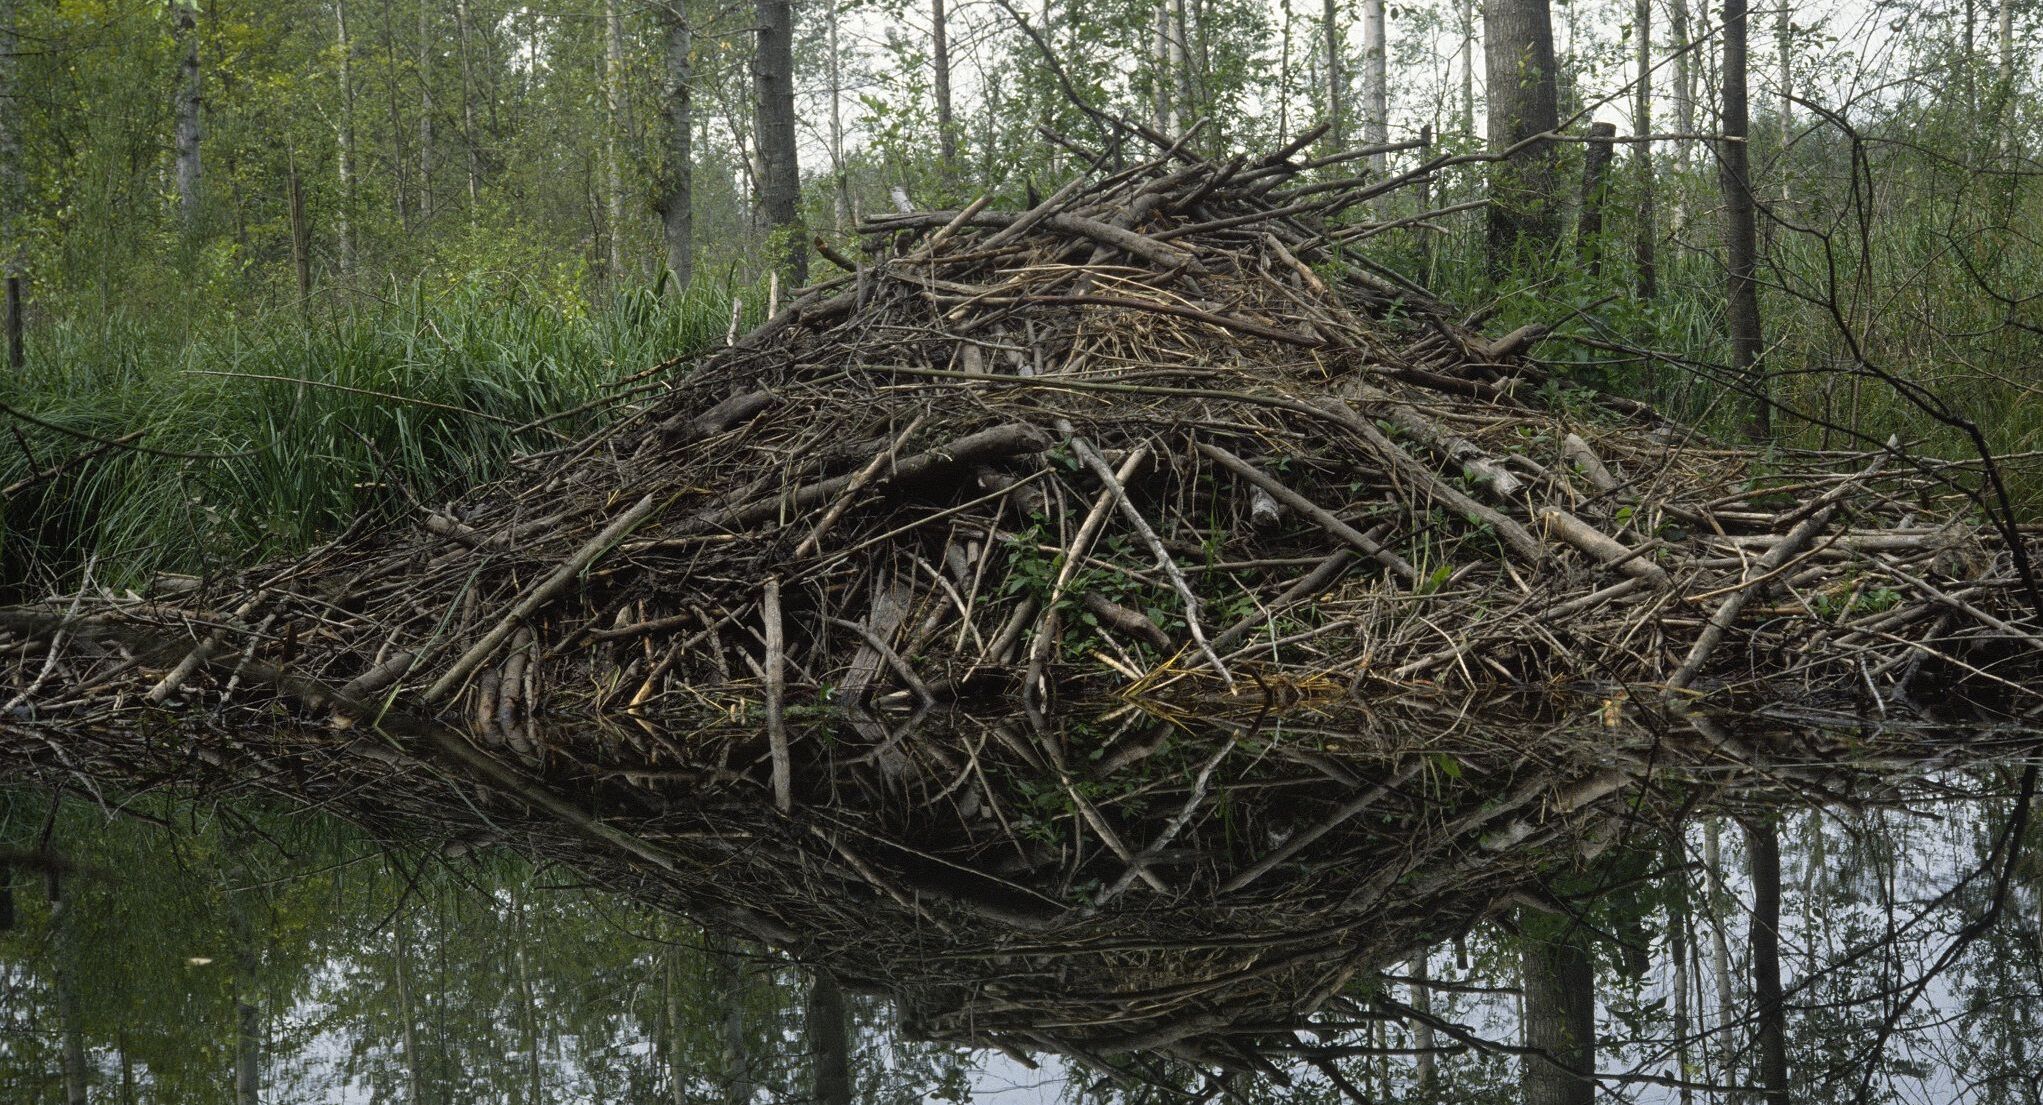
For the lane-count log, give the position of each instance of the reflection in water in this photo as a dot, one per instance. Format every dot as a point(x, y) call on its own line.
point(1388, 907)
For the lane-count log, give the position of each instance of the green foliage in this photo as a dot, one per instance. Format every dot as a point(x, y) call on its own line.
point(268, 435)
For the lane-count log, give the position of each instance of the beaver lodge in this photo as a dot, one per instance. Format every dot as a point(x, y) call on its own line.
point(1109, 626)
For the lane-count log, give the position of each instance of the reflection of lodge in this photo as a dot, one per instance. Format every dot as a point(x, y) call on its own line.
point(1127, 440)
point(1221, 889)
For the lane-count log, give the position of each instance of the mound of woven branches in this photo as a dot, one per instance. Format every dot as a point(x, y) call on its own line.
point(1155, 437)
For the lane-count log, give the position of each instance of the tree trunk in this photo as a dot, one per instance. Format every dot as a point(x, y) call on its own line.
point(1741, 228)
point(1332, 41)
point(1375, 81)
point(468, 138)
point(344, 222)
point(399, 182)
point(1645, 244)
point(613, 125)
point(946, 126)
point(676, 202)
point(1684, 91)
point(185, 28)
point(1181, 113)
point(829, 1035)
point(1560, 1017)
point(1763, 843)
point(301, 237)
point(781, 185)
point(1160, 62)
point(17, 327)
point(64, 971)
point(840, 201)
point(13, 190)
point(1284, 72)
point(425, 79)
point(1525, 209)
point(1468, 46)
point(1784, 46)
point(1596, 158)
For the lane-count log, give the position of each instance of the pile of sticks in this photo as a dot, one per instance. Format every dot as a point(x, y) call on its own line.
point(1158, 438)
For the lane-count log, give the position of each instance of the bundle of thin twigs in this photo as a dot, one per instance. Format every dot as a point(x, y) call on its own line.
point(1151, 437)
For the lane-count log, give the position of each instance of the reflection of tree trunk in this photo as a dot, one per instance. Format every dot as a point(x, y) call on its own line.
point(736, 1060)
point(670, 982)
point(64, 979)
point(408, 1033)
point(1678, 944)
point(529, 1005)
point(1720, 952)
point(1560, 1018)
point(1422, 1000)
point(246, 934)
point(828, 1030)
point(1763, 842)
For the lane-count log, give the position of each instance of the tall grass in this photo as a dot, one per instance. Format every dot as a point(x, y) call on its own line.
point(266, 436)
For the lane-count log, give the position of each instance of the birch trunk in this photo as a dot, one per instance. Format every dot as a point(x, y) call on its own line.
point(425, 79)
point(1375, 81)
point(185, 28)
point(1714, 908)
point(613, 112)
point(946, 126)
point(344, 223)
point(1332, 65)
point(840, 204)
point(468, 138)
